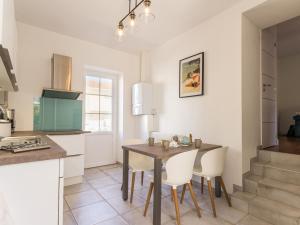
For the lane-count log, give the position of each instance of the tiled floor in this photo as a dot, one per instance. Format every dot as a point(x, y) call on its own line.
point(98, 201)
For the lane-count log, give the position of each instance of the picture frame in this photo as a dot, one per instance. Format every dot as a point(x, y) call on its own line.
point(191, 76)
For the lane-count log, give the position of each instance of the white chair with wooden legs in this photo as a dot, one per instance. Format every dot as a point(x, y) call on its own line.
point(179, 171)
point(212, 166)
point(138, 163)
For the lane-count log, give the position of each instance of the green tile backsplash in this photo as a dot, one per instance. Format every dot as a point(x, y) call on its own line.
point(53, 114)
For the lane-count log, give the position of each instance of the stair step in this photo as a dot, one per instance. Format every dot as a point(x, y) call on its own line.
point(274, 212)
point(278, 157)
point(251, 220)
point(251, 183)
point(240, 200)
point(284, 173)
point(278, 191)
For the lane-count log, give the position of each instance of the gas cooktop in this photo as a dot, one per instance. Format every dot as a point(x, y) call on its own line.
point(23, 144)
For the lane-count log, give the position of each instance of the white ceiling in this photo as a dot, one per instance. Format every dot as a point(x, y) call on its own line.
point(288, 34)
point(96, 20)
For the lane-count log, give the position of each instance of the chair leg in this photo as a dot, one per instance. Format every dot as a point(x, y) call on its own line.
point(202, 184)
point(148, 198)
point(225, 192)
point(122, 187)
point(194, 199)
point(183, 193)
point(174, 192)
point(132, 186)
point(211, 195)
point(142, 178)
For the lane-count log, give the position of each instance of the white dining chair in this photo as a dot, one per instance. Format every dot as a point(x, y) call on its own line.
point(138, 163)
point(179, 171)
point(212, 166)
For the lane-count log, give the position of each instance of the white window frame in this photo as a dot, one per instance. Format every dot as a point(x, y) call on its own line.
point(103, 74)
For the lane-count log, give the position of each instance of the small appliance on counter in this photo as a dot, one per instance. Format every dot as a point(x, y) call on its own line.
point(5, 128)
point(11, 117)
point(23, 144)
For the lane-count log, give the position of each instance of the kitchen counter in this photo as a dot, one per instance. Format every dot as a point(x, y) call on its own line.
point(54, 152)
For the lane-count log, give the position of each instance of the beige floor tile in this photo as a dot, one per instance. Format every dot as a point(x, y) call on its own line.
point(191, 218)
point(169, 208)
point(115, 170)
point(111, 191)
point(69, 219)
point(164, 217)
point(135, 217)
point(111, 166)
point(125, 206)
point(93, 214)
point(66, 207)
point(102, 182)
point(82, 199)
point(227, 213)
point(250, 220)
point(76, 188)
point(115, 221)
point(94, 173)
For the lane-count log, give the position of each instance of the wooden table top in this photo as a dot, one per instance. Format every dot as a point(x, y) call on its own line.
point(158, 152)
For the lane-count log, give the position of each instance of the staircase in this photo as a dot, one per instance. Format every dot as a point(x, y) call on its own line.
point(272, 189)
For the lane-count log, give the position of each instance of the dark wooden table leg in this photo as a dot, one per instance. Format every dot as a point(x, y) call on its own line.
point(157, 192)
point(125, 174)
point(218, 191)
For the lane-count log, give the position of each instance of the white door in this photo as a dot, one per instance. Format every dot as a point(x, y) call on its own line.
point(100, 118)
point(269, 87)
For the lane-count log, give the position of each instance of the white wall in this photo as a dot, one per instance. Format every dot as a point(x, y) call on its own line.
point(250, 91)
point(215, 117)
point(288, 91)
point(36, 47)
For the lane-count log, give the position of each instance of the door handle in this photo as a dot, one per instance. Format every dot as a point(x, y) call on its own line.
point(266, 85)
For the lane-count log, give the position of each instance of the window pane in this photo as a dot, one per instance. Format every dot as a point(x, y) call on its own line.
point(105, 122)
point(106, 86)
point(92, 122)
point(92, 85)
point(92, 104)
point(105, 104)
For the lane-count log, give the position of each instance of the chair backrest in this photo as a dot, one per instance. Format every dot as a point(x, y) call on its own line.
point(180, 167)
point(212, 162)
point(138, 161)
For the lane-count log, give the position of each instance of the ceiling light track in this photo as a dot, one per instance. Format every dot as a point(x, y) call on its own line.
point(146, 16)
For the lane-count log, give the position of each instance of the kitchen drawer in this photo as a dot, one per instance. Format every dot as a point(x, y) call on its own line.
point(72, 144)
point(74, 166)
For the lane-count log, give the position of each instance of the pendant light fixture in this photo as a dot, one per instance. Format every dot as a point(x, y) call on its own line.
point(146, 16)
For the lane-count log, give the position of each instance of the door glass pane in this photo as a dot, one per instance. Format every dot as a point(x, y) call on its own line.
point(92, 104)
point(106, 86)
point(92, 122)
point(92, 85)
point(105, 122)
point(105, 104)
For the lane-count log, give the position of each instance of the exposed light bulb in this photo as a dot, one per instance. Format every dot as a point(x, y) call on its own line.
point(147, 4)
point(120, 30)
point(132, 19)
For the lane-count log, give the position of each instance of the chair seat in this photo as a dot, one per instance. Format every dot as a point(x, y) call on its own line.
point(165, 181)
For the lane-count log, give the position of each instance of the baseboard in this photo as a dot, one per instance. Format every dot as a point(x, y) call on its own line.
point(91, 165)
point(73, 180)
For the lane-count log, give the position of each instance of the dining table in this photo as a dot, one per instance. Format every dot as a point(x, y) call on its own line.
point(159, 154)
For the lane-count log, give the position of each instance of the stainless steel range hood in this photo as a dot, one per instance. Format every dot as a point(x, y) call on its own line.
point(61, 79)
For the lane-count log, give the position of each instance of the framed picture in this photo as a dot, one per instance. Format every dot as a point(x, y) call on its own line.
point(191, 76)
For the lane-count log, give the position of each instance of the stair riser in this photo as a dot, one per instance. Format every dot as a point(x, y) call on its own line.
point(240, 204)
point(284, 176)
point(278, 157)
point(270, 216)
point(257, 170)
point(279, 195)
point(250, 186)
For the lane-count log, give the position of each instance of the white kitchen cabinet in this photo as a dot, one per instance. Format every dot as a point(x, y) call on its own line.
point(32, 192)
point(74, 145)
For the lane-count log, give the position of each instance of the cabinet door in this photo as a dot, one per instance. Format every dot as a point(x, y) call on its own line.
point(72, 144)
point(31, 192)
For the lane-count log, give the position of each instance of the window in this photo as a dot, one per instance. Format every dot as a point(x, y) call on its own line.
point(98, 103)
